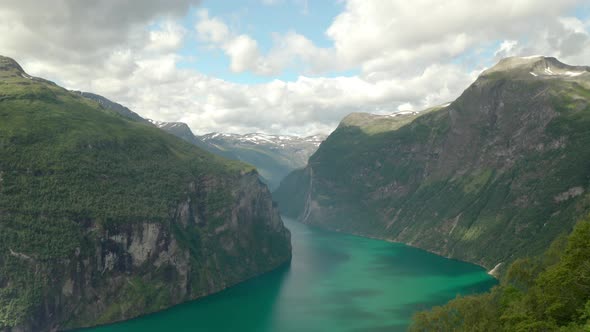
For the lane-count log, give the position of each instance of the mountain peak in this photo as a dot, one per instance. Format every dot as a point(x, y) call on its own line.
point(177, 126)
point(536, 66)
point(7, 63)
point(9, 67)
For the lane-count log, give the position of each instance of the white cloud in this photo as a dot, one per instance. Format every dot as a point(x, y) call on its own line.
point(271, 2)
point(305, 106)
point(83, 32)
point(167, 38)
point(395, 36)
point(407, 54)
point(211, 30)
point(401, 38)
point(506, 48)
point(244, 52)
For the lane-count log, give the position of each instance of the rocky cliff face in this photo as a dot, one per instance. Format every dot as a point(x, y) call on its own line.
point(493, 176)
point(103, 218)
point(130, 269)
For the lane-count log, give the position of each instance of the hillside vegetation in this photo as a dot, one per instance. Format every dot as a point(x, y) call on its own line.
point(104, 218)
point(550, 292)
point(494, 176)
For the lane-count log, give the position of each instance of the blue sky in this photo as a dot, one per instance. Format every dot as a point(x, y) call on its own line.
point(261, 21)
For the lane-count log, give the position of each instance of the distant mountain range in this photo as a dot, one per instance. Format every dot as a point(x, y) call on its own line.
point(274, 156)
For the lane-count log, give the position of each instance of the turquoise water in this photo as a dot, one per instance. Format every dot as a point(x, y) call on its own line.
point(335, 282)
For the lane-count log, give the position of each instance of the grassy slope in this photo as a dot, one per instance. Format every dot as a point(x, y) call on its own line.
point(65, 161)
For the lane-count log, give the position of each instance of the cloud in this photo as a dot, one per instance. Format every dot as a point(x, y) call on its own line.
point(80, 31)
point(409, 55)
point(167, 38)
point(566, 38)
point(506, 48)
point(245, 55)
point(384, 37)
point(211, 30)
point(393, 37)
point(271, 2)
point(305, 106)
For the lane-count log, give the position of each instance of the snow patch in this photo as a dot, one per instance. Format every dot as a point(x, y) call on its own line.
point(533, 74)
point(574, 73)
point(568, 73)
point(548, 71)
point(158, 124)
point(403, 113)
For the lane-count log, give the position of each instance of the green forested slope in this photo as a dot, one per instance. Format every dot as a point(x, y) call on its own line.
point(545, 293)
point(493, 176)
point(103, 218)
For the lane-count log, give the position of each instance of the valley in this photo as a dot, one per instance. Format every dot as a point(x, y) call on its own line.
point(467, 214)
point(335, 282)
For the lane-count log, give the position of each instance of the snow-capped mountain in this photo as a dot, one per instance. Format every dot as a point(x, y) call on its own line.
point(258, 138)
point(273, 155)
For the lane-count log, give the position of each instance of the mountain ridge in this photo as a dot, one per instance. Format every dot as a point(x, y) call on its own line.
point(273, 155)
point(104, 218)
point(460, 180)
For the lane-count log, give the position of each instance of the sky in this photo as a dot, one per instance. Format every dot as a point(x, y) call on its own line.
point(282, 66)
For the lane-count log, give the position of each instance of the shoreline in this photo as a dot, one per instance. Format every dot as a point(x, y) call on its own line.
point(489, 272)
point(284, 265)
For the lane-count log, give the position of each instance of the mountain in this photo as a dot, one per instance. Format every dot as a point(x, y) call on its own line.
point(182, 130)
point(274, 156)
point(110, 105)
point(491, 177)
point(104, 218)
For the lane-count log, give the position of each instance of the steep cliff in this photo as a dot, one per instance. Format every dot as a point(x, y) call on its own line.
point(495, 175)
point(103, 218)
